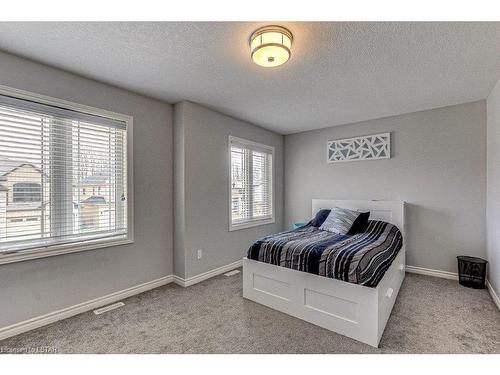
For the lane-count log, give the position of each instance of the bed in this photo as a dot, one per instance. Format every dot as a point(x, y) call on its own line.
point(316, 276)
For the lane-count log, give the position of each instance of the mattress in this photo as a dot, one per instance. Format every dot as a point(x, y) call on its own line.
point(360, 258)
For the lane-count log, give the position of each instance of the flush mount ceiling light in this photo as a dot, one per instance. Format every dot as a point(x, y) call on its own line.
point(270, 46)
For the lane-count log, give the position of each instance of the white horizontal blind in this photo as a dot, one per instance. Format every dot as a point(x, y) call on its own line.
point(62, 176)
point(251, 182)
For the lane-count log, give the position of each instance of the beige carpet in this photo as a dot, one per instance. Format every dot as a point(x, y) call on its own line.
point(430, 316)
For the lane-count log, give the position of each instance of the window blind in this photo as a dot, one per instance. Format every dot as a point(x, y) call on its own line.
point(63, 176)
point(251, 182)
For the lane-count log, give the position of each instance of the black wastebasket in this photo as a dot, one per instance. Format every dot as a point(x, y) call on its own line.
point(471, 271)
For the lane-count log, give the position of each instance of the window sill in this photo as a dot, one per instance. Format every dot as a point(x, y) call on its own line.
point(250, 224)
point(45, 252)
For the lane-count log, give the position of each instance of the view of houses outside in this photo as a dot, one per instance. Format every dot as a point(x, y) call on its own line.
point(59, 178)
point(25, 201)
point(237, 184)
point(250, 192)
point(21, 197)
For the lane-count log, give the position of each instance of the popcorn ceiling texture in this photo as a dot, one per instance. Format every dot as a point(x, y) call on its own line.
point(339, 72)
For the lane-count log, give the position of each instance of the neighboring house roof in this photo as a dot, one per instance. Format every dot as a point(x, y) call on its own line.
point(95, 200)
point(24, 206)
point(8, 165)
point(98, 178)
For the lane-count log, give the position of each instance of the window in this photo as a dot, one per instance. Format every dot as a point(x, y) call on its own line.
point(50, 150)
point(27, 192)
point(251, 184)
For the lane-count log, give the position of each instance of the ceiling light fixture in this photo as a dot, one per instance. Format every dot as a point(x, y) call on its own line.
point(270, 46)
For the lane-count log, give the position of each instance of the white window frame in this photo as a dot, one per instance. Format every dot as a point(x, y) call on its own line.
point(84, 245)
point(253, 223)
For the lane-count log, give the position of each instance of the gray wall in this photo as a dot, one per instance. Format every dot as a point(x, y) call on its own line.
point(36, 287)
point(493, 187)
point(201, 199)
point(438, 167)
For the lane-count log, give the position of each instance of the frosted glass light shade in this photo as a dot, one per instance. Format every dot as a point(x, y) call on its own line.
point(271, 46)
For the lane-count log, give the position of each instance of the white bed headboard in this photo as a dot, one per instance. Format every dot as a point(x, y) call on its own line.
point(391, 211)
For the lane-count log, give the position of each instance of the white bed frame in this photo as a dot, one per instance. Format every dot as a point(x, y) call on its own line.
point(352, 310)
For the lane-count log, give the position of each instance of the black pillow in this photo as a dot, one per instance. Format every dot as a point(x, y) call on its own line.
point(320, 218)
point(360, 224)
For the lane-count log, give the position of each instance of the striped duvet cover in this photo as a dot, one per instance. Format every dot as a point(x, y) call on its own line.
point(360, 259)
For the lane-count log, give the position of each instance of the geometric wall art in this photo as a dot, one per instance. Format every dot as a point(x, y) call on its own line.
point(369, 147)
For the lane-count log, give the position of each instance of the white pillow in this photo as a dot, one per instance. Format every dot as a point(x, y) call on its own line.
point(339, 220)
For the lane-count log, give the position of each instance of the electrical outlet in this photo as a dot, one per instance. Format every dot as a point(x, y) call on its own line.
point(200, 253)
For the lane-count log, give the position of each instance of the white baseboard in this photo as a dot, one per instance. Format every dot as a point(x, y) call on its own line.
point(431, 272)
point(207, 275)
point(42, 320)
point(493, 294)
point(450, 276)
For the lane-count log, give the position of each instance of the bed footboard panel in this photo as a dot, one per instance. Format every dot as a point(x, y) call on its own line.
point(352, 310)
point(345, 308)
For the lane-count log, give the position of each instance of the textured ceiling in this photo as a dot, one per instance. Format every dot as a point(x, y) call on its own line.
point(339, 72)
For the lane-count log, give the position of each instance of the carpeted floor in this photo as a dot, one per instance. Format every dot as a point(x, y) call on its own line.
point(430, 316)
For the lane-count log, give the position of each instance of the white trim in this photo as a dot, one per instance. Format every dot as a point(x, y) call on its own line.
point(207, 275)
point(250, 143)
point(493, 294)
point(42, 320)
point(10, 91)
point(251, 223)
point(48, 251)
point(432, 272)
point(54, 250)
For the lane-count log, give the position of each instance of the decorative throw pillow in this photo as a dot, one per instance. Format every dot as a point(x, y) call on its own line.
point(340, 220)
point(360, 224)
point(320, 217)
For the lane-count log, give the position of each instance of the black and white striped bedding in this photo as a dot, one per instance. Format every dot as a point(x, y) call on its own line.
point(361, 258)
